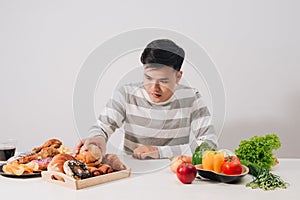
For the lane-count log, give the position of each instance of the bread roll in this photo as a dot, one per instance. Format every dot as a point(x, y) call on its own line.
point(90, 154)
point(57, 163)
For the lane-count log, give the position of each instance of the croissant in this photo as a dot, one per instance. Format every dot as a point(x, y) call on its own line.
point(105, 169)
point(94, 171)
point(100, 170)
point(114, 161)
point(55, 143)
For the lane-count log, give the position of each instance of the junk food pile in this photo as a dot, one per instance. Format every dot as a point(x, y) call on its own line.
point(53, 156)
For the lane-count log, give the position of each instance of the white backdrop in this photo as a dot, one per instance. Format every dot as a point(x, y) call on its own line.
point(254, 44)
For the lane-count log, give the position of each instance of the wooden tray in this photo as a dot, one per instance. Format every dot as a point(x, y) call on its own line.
point(67, 181)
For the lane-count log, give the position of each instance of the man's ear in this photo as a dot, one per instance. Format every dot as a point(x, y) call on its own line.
point(179, 75)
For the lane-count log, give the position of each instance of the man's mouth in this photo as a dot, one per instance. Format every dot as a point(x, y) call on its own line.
point(156, 95)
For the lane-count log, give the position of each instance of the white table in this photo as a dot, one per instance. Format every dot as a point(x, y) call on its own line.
point(153, 179)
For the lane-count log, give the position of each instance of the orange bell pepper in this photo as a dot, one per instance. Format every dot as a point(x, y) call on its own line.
point(212, 160)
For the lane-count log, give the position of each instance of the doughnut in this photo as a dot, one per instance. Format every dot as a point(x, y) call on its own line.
point(76, 169)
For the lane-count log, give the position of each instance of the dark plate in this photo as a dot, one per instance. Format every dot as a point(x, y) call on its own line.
point(220, 176)
point(33, 175)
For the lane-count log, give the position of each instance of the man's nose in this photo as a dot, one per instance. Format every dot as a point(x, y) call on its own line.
point(156, 85)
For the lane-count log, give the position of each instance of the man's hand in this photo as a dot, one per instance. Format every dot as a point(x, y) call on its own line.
point(96, 140)
point(145, 152)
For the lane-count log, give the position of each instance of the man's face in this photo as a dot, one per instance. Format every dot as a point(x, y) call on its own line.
point(160, 82)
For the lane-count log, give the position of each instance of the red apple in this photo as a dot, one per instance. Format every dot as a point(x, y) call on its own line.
point(186, 173)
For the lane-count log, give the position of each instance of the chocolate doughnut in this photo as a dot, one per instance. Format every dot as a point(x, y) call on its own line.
point(76, 169)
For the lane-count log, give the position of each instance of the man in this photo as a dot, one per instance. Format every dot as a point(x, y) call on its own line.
point(160, 117)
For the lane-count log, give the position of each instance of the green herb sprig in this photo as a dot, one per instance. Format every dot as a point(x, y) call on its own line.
point(266, 181)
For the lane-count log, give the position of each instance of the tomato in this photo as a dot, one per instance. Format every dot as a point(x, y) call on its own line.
point(232, 166)
point(186, 173)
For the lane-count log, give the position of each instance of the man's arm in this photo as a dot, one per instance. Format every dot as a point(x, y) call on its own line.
point(109, 120)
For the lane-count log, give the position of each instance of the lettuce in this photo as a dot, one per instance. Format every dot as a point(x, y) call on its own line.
point(258, 150)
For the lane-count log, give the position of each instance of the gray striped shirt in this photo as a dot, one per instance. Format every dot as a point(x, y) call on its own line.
point(175, 126)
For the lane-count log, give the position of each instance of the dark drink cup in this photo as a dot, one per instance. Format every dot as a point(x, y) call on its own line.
point(7, 149)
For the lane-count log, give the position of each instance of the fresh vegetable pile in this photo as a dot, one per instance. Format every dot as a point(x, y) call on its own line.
point(219, 161)
point(256, 153)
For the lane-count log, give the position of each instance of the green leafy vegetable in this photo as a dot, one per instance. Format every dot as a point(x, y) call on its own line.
point(258, 150)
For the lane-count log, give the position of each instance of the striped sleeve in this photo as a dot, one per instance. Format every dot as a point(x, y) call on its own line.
point(201, 126)
point(112, 116)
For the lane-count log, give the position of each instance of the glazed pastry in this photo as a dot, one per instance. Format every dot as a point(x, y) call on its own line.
point(76, 169)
